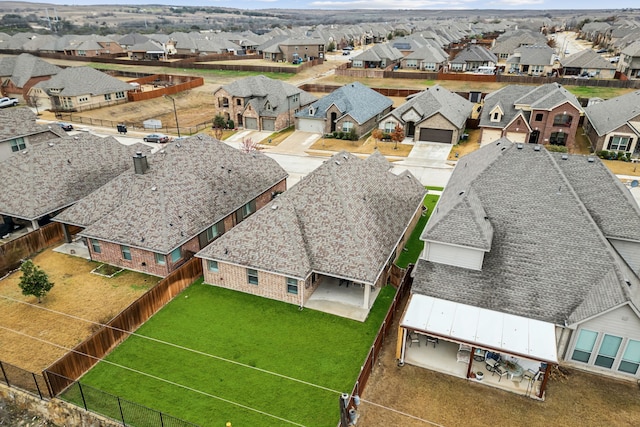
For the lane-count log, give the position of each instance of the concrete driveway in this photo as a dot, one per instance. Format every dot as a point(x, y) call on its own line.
point(296, 143)
point(430, 154)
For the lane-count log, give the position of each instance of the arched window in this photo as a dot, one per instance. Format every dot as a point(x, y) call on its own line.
point(562, 120)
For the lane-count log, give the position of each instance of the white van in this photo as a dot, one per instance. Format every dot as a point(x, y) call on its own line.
point(485, 69)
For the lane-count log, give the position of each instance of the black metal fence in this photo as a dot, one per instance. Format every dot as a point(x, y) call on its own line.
point(25, 380)
point(186, 130)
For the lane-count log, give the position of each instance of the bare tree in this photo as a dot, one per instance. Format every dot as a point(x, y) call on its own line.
point(34, 101)
point(248, 145)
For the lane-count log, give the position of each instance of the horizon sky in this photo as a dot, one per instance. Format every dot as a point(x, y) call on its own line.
point(374, 4)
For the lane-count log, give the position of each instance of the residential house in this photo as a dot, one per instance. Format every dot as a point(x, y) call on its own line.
point(288, 49)
point(433, 115)
point(546, 114)
point(79, 89)
point(155, 215)
point(425, 58)
point(506, 44)
point(19, 73)
point(472, 57)
point(614, 124)
point(377, 56)
point(19, 131)
point(587, 63)
point(327, 243)
point(54, 174)
point(496, 283)
point(595, 32)
point(149, 50)
point(353, 107)
point(629, 62)
point(260, 103)
point(532, 60)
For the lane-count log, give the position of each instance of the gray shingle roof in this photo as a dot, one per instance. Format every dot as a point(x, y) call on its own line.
point(379, 52)
point(632, 50)
point(25, 66)
point(355, 99)
point(535, 55)
point(437, 100)
point(74, 81)
point(475, 53)
point(189, 186)
point(53, 177)
point(626, 108)
point(587, 58)
point(343, 219)
point(548, 259)
point(21, 122)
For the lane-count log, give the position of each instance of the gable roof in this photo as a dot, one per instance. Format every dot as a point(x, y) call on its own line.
point(343, 219)
point(633, 50)
point(354, 99)
point(189, 186)
point(549, 259)
point(21, 122)
point(74, 81)
point(587, 58)
point(23, 67)
point(475, 53)
point(380, 52)
point(437, 100)
point(533, 55)
point(626, 107)
point(41, 181)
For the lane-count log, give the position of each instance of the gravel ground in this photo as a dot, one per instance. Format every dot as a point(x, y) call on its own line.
point(10, 415)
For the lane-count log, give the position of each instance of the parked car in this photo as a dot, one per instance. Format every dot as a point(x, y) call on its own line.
point(8, 102)
point(602, 51)
point(156, 137)
point(614, 60)
point(66, 126)
point(346, 52)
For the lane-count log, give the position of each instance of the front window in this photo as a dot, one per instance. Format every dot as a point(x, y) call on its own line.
point(558, 138)
point(18, 144)
point(430, 66)
point(212, 232)
point(389, 127)
point(212, 266)
point(107, 97)
point(245, 211)
point(176, 254)
point(608, 351)
point(539, 117)
point(160, 259)
point(224, 102)
point(126, 252)
point(620, 143)
point(584, 346)
point(239, 102)
point(630, 358)
point(292, 285)
point(562, 120)
point(119, 95)
point(95, 246)
point(252, 276)
point(347, 126)
point(495, 117)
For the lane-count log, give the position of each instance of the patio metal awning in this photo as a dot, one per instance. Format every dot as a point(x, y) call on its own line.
point(482, 328)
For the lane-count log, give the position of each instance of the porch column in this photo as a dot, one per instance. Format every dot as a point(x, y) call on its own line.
point(367, 294)
point(544, 380)
point(67, 235)
point(34, 224)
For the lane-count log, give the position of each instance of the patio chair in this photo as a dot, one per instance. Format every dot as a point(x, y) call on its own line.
point(414, 338)
point(497, 369)
point(491, 364)
point(529, 375)
point(433, 340)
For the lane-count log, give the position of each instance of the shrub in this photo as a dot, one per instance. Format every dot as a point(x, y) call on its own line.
point(352, 135)
point(603, 154)
point(329, 135)
point(557, 148)
point(230, 124)
point(340, 135)
point(335, 133)
point(386, 136)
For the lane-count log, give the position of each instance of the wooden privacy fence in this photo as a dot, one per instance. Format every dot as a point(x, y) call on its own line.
point(14, 251)
point(74, 364)
point(370, 362)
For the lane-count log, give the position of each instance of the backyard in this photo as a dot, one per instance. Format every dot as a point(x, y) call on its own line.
point(76, 292)
point(217, 355)
point(414, 245)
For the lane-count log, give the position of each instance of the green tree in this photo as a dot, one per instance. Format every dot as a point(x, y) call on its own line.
point(34, 281)
point(331, 47)
point(219, 121)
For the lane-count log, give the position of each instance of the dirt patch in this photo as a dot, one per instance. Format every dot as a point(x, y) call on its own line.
point(12, 415)
point(76, 292)
point(360, 146)
point(623, 168)
point(462, 148)
point(419, 394)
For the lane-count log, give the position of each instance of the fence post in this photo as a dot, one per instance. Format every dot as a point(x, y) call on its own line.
point(121, 413)
point(4, 374)
point(45, 375)
point(161, 420)
point(84, 402)
point(37, 386)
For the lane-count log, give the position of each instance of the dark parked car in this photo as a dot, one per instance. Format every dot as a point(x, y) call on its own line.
point(156, 137)
point(66, 126)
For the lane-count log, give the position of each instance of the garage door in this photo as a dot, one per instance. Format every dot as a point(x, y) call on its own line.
point(517, 136)
point(436, 135)
point(490, 135)
point(269, 124)
point(309, 125)
point(250, 123)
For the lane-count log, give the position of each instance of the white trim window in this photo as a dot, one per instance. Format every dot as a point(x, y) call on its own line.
point(584, 346)
point(176, 254)
point(608, 351)
point(252, 276)
point(126, 252)
point(161, 259)
point(620, 143)
point(292, 285)
point(347, 126)
point(389, 126)
point(212, 266)
point(630, 358)
point(18, 144)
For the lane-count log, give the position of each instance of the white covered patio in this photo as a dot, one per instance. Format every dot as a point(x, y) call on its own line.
point(343, 298)
point(456, 339)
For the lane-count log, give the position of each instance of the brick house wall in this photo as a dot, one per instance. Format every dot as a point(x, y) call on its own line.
point(438, 121)
point(236, 106)
point(517, 131)
point(144, 260)
point(547, 123)
point(602, 142)
point(303, 51)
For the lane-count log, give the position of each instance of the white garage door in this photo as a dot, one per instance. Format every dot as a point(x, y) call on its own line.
point(250, 123)
point(490, 135)
point(269, 124)
point(517, 136)
point(310, 125)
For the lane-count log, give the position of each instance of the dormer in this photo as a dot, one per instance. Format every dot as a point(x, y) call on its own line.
point(496, 114)
point(312, 110)
point(267, 106)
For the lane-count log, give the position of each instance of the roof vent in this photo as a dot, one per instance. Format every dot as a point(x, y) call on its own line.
point(154, 188)
point(24, 151)
point(461, 193)
point(274, 207)
point(519, 145)
point(537, 147)
point(565, 157)
point(140, 164)
point(178, 145)
point(51, 144)
point(503, 148)
point(76, 138)
point(344, 156)
point(199, 136)
point(337, 163)
point(591, 159)
point(162, 151)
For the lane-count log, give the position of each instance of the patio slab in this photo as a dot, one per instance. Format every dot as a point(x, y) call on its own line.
point(340, 300)
point(76, 248)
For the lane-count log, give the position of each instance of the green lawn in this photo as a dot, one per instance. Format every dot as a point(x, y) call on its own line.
point(414, 244)
point(253, 332)
point(431, 187)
